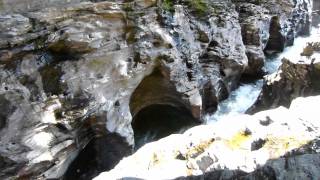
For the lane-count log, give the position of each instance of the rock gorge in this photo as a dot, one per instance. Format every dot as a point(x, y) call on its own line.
point(84, 83)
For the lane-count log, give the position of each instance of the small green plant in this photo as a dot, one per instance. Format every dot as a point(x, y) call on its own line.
point(168, 5)
point(199, 5)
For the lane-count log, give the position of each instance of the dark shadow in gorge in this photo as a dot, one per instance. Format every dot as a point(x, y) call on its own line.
point(158, 110)
point(100, 155)
point(157, 121)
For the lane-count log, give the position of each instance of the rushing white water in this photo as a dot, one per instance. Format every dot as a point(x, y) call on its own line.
point(293, 52)
point(238, 102)
point(242, 98)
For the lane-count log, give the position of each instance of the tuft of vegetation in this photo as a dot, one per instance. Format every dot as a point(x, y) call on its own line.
point(168, 5)
point(200, 6)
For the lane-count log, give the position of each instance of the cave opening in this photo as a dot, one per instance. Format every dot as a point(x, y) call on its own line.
point(157, 121)
point(100, 154)
point(158, 110)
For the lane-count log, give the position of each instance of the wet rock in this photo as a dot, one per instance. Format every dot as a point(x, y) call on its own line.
point(255, 24)
point(271, 26)
point(276, 41)
point(256, 59)
point(293, 79)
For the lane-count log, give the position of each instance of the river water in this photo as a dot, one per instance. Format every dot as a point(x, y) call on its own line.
point(242, 98)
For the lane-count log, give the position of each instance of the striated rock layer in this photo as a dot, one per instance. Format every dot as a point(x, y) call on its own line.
point(73, 73)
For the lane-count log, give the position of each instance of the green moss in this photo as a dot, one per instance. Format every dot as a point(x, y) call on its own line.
point(200, 6)
point(168, 5)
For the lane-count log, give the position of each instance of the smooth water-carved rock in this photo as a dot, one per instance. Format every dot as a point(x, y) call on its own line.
point(156, 89)
point(62, 65)
point(158, 110)
point(284, 148)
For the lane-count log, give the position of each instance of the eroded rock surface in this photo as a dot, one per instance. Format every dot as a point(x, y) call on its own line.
point(293, 79)
point(68, 73)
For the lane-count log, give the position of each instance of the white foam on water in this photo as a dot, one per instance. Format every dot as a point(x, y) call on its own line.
point(242, 98)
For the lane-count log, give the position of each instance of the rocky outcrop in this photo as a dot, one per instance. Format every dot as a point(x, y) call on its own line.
point(316, 12)
point(262, 146)
point(269, 26)
point(293, 79)
point(69, 73)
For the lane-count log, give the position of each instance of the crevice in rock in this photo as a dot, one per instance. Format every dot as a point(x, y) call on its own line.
point(6, 109)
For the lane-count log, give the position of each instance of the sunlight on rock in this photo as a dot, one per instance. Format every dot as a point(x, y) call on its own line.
point(49, 113)
point(238, 139)
point(41, 140)
point(278, 146)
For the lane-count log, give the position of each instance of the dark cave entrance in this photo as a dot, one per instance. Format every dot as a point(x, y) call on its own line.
point(157, 121)
point(103, 151)
point(101, 154)
point(158, 110)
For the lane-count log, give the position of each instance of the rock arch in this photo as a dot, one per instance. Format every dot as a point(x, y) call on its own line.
point(158, 109)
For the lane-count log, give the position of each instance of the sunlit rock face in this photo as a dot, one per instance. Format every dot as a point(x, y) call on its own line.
point(265, 145)
point(293, 79)
point(69, 72)
point(270, 26)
